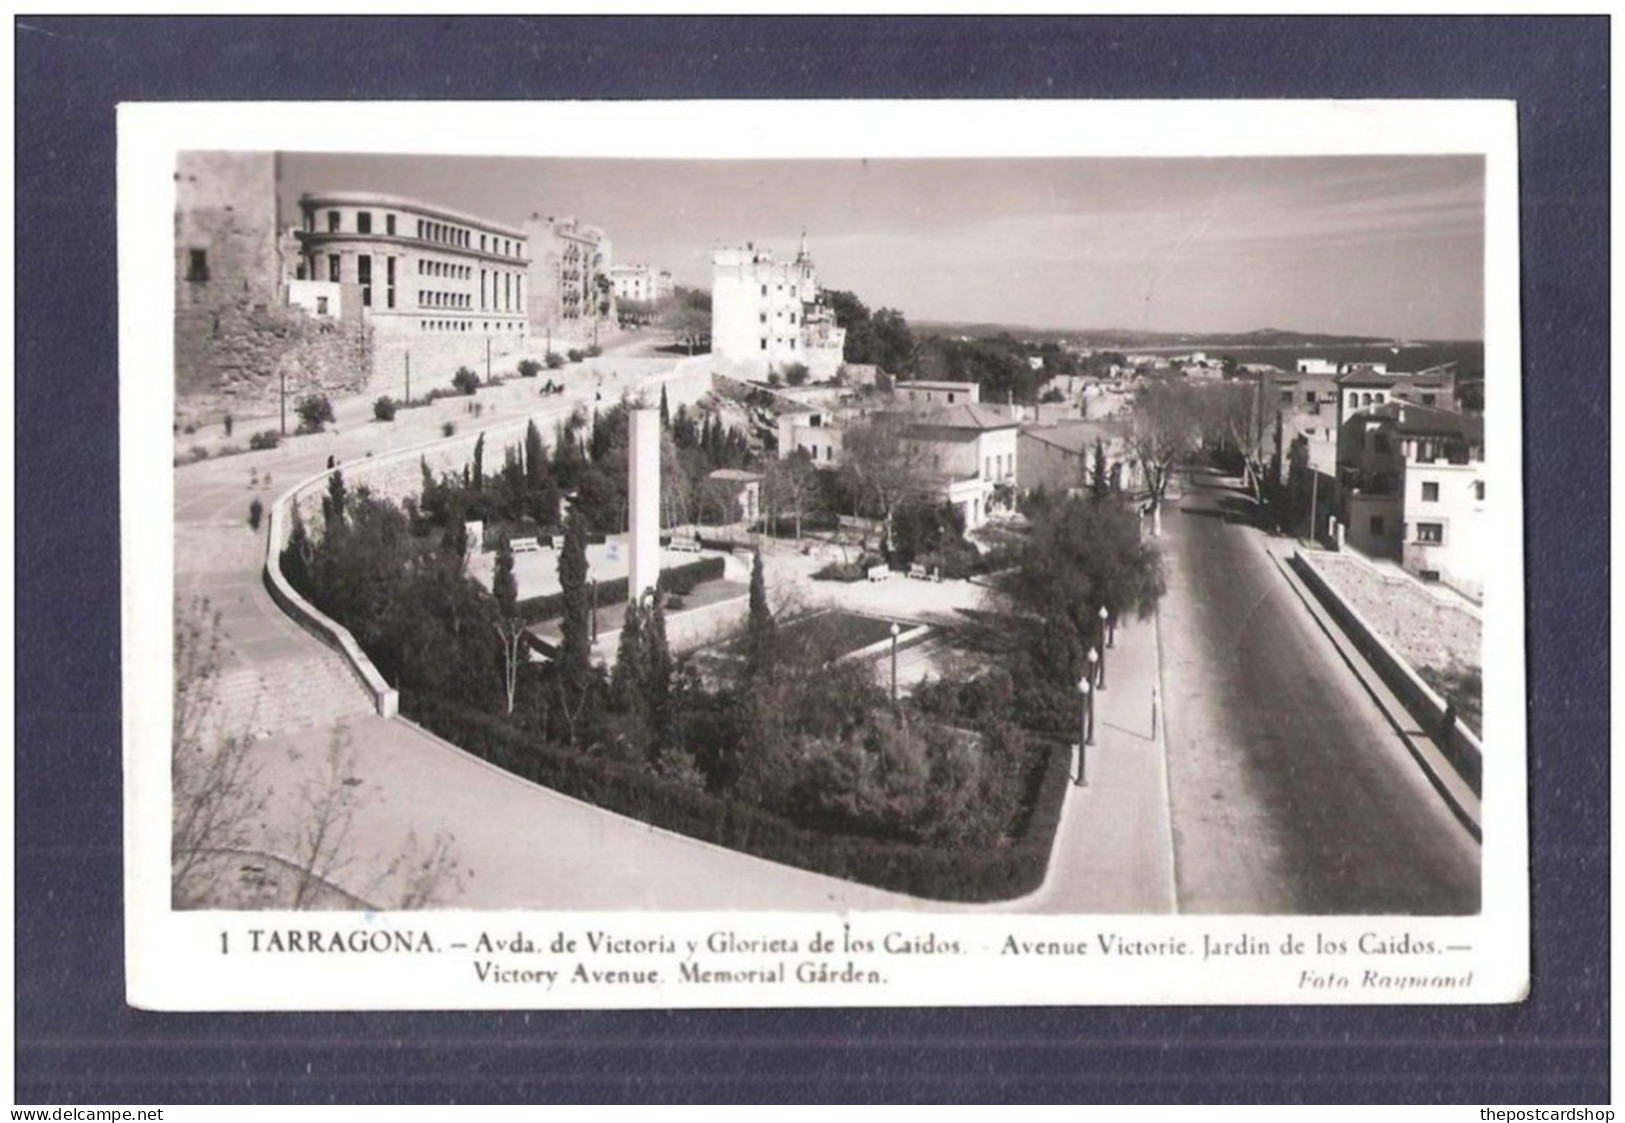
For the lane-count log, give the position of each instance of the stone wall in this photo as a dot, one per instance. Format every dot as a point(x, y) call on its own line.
point(437, 355)
point(230, 356)
point(234, 334)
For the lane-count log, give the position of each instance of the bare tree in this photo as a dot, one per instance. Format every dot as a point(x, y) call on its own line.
point(218, 797)
point(791, 485)
point(886, 463)
point(328, 804)
point(1164, 429)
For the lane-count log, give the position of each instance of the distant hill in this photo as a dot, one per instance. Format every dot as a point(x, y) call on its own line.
point(1119, 338)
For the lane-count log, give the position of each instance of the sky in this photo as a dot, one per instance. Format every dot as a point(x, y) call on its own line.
point(1389, 246)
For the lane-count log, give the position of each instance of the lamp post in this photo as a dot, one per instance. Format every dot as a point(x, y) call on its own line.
point(1086, 731)
point(1094, 668)
point(595, 610)
point(409, 378)
point(282, 384)
point(1108, 624)
point(896, 630)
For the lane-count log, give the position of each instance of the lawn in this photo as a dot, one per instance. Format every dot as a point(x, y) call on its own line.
point(834, 633)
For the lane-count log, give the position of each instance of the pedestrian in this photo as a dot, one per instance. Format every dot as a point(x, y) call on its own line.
point(331, 463)
point(1447, 725)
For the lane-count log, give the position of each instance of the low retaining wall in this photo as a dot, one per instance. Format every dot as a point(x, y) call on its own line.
point(386, 699)
point(396, 475)
point(1459, 746)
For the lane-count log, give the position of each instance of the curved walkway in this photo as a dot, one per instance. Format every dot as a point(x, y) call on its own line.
point(517, 845)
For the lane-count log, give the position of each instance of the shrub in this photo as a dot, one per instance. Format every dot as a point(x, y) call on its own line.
point(197, 452)
point(264, 439)
point(314, 411)
point(681, 579)
point(529, 368)
point(448, 429)
point(384, 408)
point(228, 424)
point(465, 381)
point(972, 874)
point(796, 374)
point(575, 354)
point(594, 351)
point(256, 512)
point(554, 360)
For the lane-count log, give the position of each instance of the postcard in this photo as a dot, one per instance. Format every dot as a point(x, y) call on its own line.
point(783, 554)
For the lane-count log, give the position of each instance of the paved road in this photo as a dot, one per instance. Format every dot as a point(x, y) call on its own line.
point(1290, 791)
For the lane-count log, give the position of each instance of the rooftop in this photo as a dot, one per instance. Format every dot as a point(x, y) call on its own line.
point(971, 416)
point(401, 202)
point(1070, 438)
point(1366, 377)
point(1412, 420)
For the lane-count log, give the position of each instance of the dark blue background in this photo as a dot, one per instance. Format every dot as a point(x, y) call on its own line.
point(79, 1043)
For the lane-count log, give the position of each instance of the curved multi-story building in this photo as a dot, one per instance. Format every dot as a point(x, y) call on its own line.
point(420, 268)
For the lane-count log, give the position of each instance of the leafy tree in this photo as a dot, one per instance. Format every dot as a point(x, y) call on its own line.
point(796, 374)
point(465, 381)
point(1079, 557)
point(575, 649)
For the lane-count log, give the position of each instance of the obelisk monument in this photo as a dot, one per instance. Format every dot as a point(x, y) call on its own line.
point(643, 466)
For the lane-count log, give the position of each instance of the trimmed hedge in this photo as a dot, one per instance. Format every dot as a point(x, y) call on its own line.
point(932, 872)
point(681, 579)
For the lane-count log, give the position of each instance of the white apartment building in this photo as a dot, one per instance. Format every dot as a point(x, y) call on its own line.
point(766, 315)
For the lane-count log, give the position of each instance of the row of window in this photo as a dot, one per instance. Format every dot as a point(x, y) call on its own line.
point(428, 231)
point(1427, 534)
point(763, 317)
point(445, 269)
point(432, 299)
point(792, 343)
point(467, 325)
point(1358, 399)
point(363, 222)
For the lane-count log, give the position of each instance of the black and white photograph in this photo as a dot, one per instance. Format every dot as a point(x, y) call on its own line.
point(603, 576)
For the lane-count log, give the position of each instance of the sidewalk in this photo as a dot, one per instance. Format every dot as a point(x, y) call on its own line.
point(1114, 848)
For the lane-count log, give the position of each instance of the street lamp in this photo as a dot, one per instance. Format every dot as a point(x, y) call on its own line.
point(1095, 668)
point(1108, 624)
point(896, 630)
point(1086, 732)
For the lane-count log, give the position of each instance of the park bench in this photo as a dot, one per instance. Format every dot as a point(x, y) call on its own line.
point(685, 544)
point(878, 572)
point(524, 545)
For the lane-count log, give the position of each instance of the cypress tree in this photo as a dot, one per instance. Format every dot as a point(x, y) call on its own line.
point(333, 503)
point(503, 585)
point(535, 457)
point(575, 650)
point(1099, 483)
point(665, 410)
point(479, 463)
point(760, 629)
point(627, 680)
point(657, 678)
